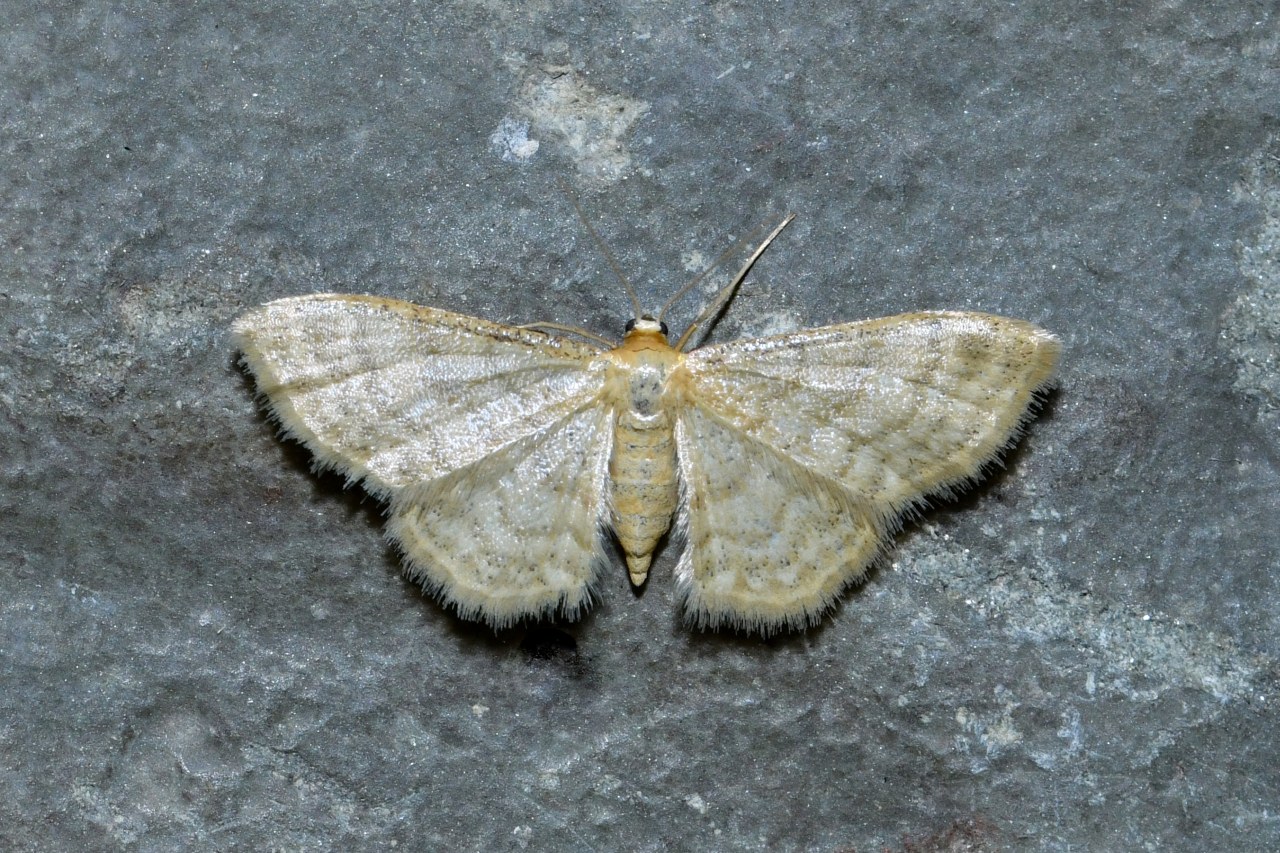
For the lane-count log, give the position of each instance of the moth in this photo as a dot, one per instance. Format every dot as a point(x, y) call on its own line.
point(509, 457)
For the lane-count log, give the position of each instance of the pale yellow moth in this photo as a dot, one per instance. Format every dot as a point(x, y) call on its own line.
point(509, 456)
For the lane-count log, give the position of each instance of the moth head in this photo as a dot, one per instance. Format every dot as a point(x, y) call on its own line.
point(646, 324)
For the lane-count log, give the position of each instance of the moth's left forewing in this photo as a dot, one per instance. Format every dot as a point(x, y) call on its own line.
point(393, 393)
point(851, 425)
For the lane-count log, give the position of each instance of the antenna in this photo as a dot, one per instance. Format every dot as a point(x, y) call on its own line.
point(604, 250)
point(700, 276)
point(723, 297)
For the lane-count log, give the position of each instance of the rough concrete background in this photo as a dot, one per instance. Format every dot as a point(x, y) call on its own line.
point(206, 647)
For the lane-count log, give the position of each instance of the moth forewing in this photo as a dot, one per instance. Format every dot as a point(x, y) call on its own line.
point(395, 394)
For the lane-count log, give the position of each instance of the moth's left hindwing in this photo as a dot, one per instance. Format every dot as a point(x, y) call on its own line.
point(518, 533)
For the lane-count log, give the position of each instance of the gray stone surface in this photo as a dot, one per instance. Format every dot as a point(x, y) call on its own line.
point(206, 647)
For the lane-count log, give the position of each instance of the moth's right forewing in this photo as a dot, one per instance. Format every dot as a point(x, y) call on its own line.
point(893, 409)
point(395, 393)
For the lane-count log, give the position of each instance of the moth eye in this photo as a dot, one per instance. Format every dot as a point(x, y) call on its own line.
point(631, 324)
point(663, 327)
